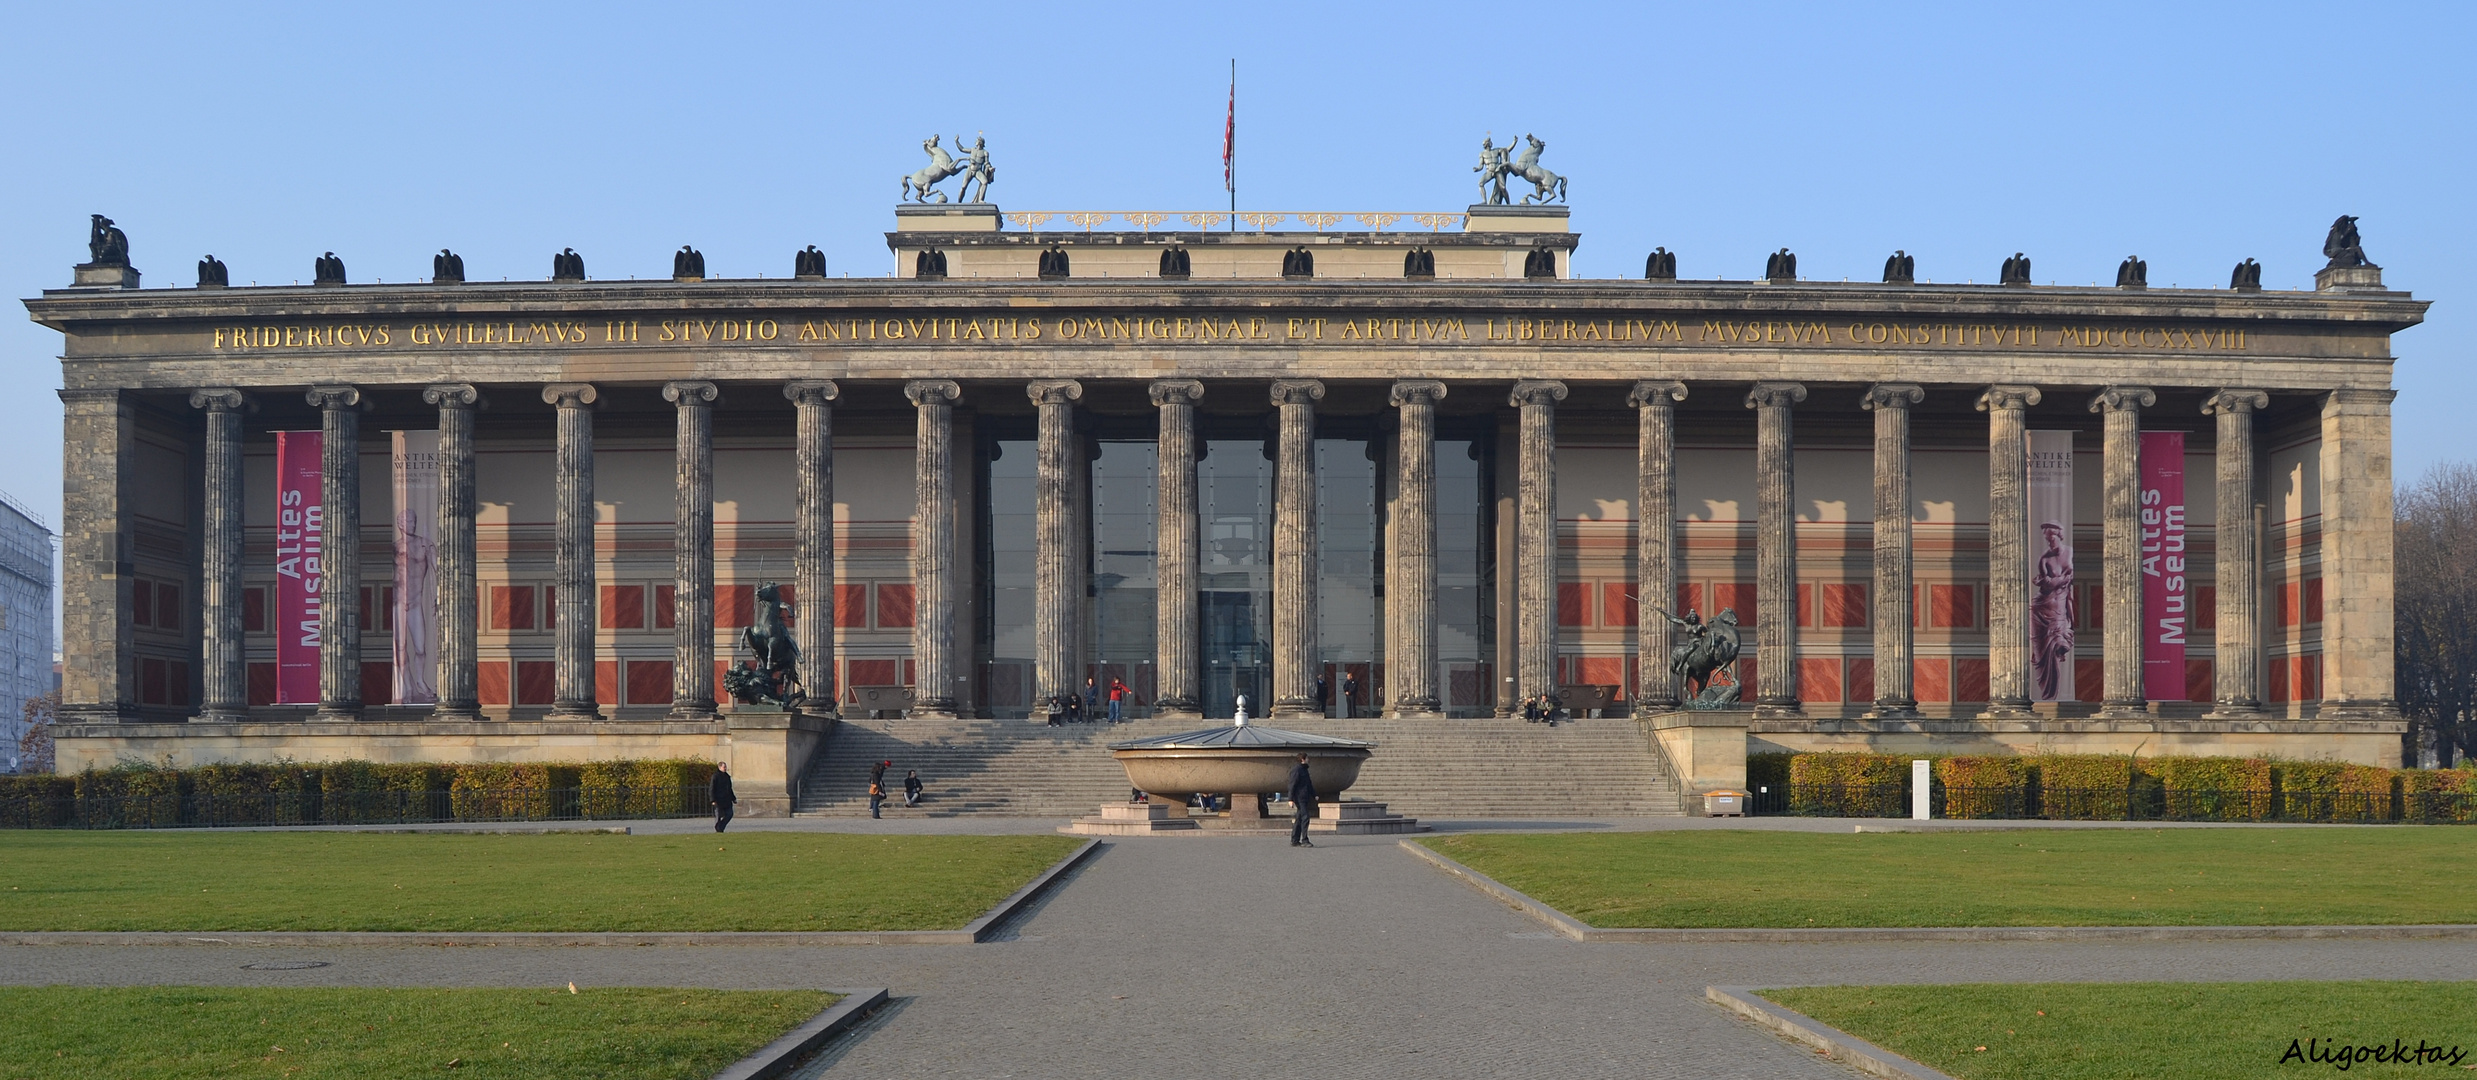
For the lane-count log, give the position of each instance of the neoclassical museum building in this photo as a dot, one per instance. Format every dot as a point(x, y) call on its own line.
point(1396, 465)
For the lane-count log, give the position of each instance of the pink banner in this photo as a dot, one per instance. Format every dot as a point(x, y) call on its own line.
point(300, 536)
point(2166, 608)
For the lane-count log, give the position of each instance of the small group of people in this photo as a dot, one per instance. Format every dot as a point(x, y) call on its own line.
point(877, 787)
point(1344, 707)
point(1083, 708)
point(1542, 709)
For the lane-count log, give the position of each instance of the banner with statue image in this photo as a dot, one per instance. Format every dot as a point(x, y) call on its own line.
point(417, 543)
point(2051, 565)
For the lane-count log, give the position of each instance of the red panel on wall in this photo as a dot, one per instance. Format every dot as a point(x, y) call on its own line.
point(1844, 605)
point(894, 606)
point(176, 678)
point(369, 619)
point(2089, 680)
point(2313, 601)
point(1690, 598)
point(1819, 679)
point(1605, 671)
point(2199, 684)
point(2094, 610)
point(1931, 678)
point(168, 605)
point(511, 607)
point(1969, 678)
point(2205, 607)
point(2308, 680)
point(254, 610)
point(537, 682)
point(1953, 605)
point(550, 607)
point(1806, 605)
point(2286, 604)
point(606, 681)
point(873, 673)
point(1573, 604)
point(150, 681)
point(1738, 596)
point(734, 605)
point(490, 682)
point(666, 607)
point(142, 603)
point(851, 606)
point(623, 607)
point(1861, 678)
point(2278, 672)
point(1746, 674)
point(262, 684)
point(378, 682)
point(1617, 606)
point(649, 682)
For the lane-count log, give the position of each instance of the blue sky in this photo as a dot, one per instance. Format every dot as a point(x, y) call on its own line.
point(2193, 135)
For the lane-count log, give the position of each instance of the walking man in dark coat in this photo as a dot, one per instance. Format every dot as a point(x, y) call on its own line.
point(723, 795)
point(1302, 802)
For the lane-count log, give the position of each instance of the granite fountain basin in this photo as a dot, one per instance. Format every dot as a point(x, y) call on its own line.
point(1239, 759)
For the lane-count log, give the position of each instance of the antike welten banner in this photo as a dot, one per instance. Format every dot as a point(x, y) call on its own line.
point(2051, 565)
point(417, 539)
point(300, 548)
point(2166, 612)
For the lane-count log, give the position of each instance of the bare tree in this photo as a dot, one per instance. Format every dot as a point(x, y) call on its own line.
point(34, 748)
point(2436, 607)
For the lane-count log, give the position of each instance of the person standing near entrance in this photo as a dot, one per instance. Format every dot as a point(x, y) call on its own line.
point(1117, 700)
point(1324, 697)
point(1092, 698)
point(877, 787)
point(724, 797)
point(1350, 694)
point(1302, 802)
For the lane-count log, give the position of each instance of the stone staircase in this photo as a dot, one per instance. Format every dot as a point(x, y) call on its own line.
point(1432, 769)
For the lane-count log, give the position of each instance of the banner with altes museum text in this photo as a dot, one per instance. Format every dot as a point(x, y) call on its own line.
point(300, 543)
point(2051, 565)
point(416, 632)
point(2166, 610)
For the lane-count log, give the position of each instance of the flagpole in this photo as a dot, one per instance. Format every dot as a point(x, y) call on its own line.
point(1233, 177)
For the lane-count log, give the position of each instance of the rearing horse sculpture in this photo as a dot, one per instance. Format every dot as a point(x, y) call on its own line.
point(776, 678)
point(920, 185)
point(1542, 181)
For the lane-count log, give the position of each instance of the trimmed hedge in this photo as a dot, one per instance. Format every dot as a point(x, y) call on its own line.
point(351, 792)
point(1848, 784)
point(2117, 787)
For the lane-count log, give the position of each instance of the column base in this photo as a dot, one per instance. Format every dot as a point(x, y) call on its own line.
point(1177, 712)
point(2237, 710)
point(456, 714)
point(820, 712)
point(695, 713)
point(2008, 710)
point(1421, 712)
point(1893, 710)
point(1297, 712)
point(1778, 711)
point(588, 712)
point(928, 713)
point(221, 716)
point(2359, 710)
point(2122, 710)
point(1646, 709)
point(336, 714)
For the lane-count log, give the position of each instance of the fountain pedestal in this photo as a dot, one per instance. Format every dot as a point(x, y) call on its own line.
point(1134, 819)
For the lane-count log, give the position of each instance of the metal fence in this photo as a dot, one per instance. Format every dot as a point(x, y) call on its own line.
point(206, 810)
point(2140, 802)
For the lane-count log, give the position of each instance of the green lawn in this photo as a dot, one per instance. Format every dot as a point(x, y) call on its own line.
point(184, 1032)
point(2109, 877)
point(2125, 1031)
point(569, 882)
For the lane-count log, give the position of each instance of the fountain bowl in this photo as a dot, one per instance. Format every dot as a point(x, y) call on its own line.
point(1240, 759)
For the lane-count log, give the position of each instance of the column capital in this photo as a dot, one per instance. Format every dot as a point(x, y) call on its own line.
point(812, 391)
point(1297, 391)
point(2008, 398)
point(932, 391)
point(570, 395)
point(1415, 392)
point(221, 399)
point(1054, 391)
point(1775, 395)
point(1892, 396)
point(1547, 392)
point(2235, 401)
point(2342, 400)
point(334, 397)
point(690, 393)
point(1649, 392)
point(451, 395)
point(2123, 398)
point(1176, 391)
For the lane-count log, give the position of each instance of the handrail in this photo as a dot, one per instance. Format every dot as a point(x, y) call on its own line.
point(1255, 220)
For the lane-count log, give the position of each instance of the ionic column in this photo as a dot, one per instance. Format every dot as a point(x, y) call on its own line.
point(2357, 557)
point(933, 549)
point(2120, 574)
point(1776, 548)
point(2236, 670)
point(1057, 575)
point(573, 647)
point(226, 659)
point(1890, 402)
point(1176, 670)
point(1410, 585)
point(1535, 537)
point(2008, 550)
point(1294, 550)
point(692, 551)
point(1655, 541)
point(339, 593)
point(812, 542)
point(458, 599)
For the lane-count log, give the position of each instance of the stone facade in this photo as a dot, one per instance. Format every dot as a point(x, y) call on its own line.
point(1842, 464)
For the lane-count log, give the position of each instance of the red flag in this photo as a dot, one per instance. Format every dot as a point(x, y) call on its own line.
point(1229, 141)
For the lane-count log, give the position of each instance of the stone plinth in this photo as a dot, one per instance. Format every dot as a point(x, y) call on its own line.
point(1520, 219)
point(2327, 279)
point(94, 276)
point(1133, 819)
point(1359, 817)
point(947, 217)
point(1706, 748)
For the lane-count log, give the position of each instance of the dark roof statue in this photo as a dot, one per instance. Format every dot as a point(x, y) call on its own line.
point(330, 270)
point(688, 264)
point(212, 274)
point(567, 265)
point(2016, 270)
point(1175, 265)
point(2341, 245)
point(1781, 266)
point(2133, 273)
point(446, 268)
point(929, 265)
point(106, 245)
point(1660, 265)
point(808, 263)
point(1494, 163)
point(1540, 263)
point(1054, 263)
point(2248, 276)
point(1900, 268)
point(1419, 264)
point(1298, 262)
